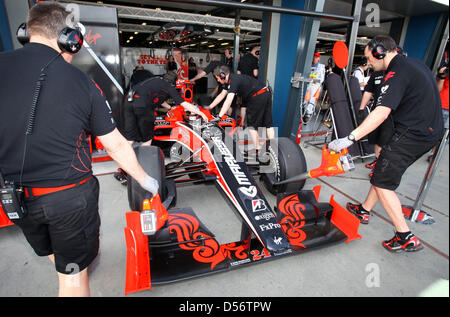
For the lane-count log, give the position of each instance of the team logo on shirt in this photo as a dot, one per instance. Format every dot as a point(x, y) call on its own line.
point(389, 75)
point(384, 89)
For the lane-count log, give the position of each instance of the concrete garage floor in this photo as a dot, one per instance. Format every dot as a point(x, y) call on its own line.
point(360, 268)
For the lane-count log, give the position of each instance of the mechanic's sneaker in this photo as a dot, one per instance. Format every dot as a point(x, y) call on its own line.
point(362, 214)
point(410, 244)
point(121, 176)
point(371, 165)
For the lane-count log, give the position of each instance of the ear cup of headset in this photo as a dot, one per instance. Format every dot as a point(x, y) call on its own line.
point(70, 40)
point(222, 75)
point(378, 50)
point(22, 34)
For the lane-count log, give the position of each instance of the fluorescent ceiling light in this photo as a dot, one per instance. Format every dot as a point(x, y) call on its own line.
point(444, 2)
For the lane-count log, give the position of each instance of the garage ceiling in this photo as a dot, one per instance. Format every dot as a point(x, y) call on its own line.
point(140, 26)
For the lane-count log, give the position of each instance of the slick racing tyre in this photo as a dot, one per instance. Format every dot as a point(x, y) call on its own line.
point(286, 160)
point(151, 159)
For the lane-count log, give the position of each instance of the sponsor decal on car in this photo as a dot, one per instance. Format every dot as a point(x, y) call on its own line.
point(231, 162)
point(258, 205)
point(269, 226)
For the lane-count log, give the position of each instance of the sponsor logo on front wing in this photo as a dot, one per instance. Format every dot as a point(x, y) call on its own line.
point(249, 191)
point(265, 216)
point(234, 167)
point(269, 226)
point(258, 205)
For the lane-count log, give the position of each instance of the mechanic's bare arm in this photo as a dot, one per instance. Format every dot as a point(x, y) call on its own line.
point(218, 99)
point(199, 75)
point(190, 107)
point(255, 73)
point(373, 120)
point(226, 104)
point(365, 99)
point(166, 105)
point(120, 150)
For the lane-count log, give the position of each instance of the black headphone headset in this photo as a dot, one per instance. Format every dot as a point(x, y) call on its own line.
point(223, 72)
point(378, 50)
point(69, 39)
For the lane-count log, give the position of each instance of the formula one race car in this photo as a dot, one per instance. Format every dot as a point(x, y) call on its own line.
point(168, 243)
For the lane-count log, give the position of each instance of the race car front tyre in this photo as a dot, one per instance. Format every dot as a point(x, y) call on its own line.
point(286, 160)
point(151, 159)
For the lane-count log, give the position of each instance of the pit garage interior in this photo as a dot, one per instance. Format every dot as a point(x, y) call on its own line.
point(124, 34)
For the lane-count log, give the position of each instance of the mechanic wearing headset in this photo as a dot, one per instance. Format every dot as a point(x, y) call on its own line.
point(210, 69)
point(53, 161)
point(410, 98)
point(139, 110)
point(256, 98)
point(379, 136)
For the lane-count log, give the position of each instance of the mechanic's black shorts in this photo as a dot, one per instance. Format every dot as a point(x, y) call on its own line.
point(395, 157)
point(259, 111)
point(139, 123)
point(383, 133)
point(65, 223)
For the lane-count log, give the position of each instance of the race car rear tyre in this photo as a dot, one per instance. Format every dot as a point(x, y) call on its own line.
point(286, 160)
point(151, 159)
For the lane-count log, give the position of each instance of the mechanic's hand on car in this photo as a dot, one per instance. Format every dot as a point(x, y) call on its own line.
point(150, 184)
point(339, 144)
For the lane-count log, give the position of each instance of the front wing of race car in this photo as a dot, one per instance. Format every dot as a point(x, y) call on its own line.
point(185, 248)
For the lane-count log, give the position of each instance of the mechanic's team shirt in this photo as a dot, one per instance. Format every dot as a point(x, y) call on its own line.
point(410, 90)
point(243, 85)
point(71, 106)
point(317, 73)
point(152, 92)
point(374, 84)
point(247, 64)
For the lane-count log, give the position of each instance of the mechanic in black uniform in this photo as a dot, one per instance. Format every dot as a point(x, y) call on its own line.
point(248, 65)
point(409, 95)
point(139, 110)
point(53, 162)
point(171, 65)
point(256, 97)
point(210, 69)
point(139, 118)
point(140, 74)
